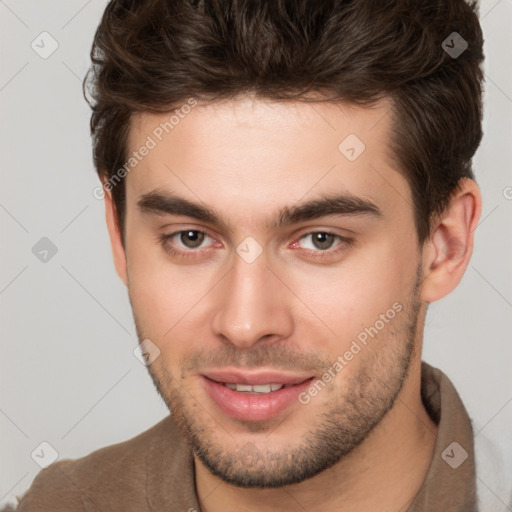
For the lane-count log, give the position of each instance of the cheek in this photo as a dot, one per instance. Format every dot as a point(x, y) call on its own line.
point(165, 297)
point(351, 297)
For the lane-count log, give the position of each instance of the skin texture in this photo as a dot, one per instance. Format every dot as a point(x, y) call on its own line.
point(365, 441)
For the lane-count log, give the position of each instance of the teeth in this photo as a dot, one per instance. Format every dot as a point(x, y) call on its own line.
point(260, 388)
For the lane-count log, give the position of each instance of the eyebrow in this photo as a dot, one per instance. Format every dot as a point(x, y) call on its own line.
point(164, 203)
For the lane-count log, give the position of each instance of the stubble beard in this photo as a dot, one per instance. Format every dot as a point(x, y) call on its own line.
point(368, 396)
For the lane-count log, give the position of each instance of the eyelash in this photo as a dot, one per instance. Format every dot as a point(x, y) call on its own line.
point(344, 242)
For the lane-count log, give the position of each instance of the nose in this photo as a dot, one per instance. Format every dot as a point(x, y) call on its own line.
point(253, 304)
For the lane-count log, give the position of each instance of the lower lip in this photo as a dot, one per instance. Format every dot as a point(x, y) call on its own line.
point(253, 406)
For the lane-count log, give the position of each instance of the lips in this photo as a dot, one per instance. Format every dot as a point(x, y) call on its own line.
point(254, 396)
point(255, 378)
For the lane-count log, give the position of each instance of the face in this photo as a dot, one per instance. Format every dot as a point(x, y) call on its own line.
point(273, 264)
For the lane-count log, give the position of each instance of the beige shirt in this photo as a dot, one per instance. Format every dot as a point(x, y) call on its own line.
point(154, 471)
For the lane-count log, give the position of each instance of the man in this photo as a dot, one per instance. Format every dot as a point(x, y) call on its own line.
point(286, 190)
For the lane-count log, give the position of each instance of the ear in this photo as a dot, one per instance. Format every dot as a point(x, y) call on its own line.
point(118, 250)
point(447, 253)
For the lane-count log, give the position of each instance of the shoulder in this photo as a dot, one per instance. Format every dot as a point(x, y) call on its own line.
point(104, 479)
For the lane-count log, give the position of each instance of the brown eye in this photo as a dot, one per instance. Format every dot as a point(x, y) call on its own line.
point(187, 243)
point(324, 246)
point(191, 238)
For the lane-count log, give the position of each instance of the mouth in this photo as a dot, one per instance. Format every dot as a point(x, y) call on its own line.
point(258, 388)
point(252, 396)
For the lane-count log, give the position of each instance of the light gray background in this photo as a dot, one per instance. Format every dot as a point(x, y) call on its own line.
point(68, 374)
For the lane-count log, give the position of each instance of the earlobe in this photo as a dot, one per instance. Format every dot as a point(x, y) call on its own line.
point(447, 253)
point(118, 250)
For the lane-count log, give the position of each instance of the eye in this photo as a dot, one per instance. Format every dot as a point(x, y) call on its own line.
point(321, 240)
point(321, 243)
point(183, 242)
point(191, 238)
point(192, 243)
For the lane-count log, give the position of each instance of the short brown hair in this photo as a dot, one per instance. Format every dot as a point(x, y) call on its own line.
point(150, 56)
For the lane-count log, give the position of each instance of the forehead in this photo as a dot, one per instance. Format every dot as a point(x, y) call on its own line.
point(192, 123)
point(260, 153)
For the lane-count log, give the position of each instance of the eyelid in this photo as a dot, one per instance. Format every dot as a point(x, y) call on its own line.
point(305, 233)
point(343, 242)
point(166, 237)
point(341, 238)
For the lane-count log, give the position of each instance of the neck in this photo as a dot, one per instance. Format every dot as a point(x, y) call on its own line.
point(383, 473)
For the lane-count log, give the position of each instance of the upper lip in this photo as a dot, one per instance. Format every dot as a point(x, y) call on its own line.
point(255, 377)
